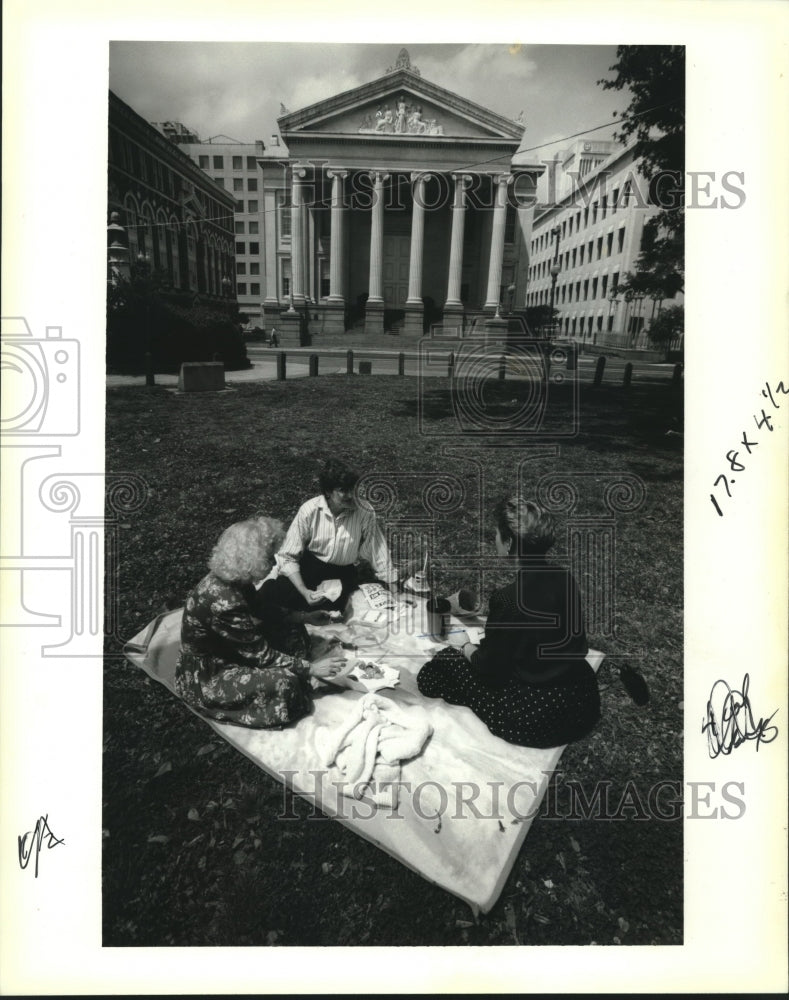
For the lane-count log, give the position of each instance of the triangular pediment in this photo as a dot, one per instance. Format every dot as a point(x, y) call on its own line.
point(400, 106)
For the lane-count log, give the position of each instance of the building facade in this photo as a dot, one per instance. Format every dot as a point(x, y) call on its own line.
point(586, 240)
point(393, 206)
point(172, 214)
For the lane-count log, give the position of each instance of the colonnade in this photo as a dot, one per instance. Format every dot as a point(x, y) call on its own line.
point(462, 181)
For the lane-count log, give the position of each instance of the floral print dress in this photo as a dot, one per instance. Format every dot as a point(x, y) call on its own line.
point(227, 669)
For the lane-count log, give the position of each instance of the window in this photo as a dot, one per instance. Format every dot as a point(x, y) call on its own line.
point(241, 288)
point(570, 228)
point(238, 162)
point(219, 163)
point(238, 183)
point(239, 228)
point(586, 216)
point(325, 282)
point(241, 267)
point(604, 205)
point(285, 276)
point(241, 248)
point(220, 181)
point(252, 206)
point(254, 228)
point(586, 290)
point(283, 211)
point(594, 288)
point(574, 254)
point(599, 247)
point(254, 288)
point(615, 283)
point(254, 248)
point(609, 244)
point(254, 268)
point(581, 255)
point(615, 200)
point(202, 161)
point(626, 192)
point(239, 206)
point(604, 288)
point(252, 184)
point(589, 250)
point(620, 239)
point(252, 163)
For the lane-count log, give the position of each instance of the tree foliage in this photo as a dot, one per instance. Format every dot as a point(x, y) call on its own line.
point(668, 326)
point(654, 122)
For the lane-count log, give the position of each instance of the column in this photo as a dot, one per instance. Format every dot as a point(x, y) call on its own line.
point(297, 236)
point(269, 233)
point(337, 222)
point(497, 241)
point(374, 310)
point(414, 305)
point(453, 303)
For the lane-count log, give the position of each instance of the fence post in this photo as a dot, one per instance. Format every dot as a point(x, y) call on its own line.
point(349, 362)
point(401, 363)
point(451, 366)
point(676, 375)
point(313, 364)
point(598, 372)
point(281, 367)
point(572, 357)
point(628, 374)
point(502, 367)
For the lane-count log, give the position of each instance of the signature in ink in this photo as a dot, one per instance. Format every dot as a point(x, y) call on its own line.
point(36, 840)
point(731, 724)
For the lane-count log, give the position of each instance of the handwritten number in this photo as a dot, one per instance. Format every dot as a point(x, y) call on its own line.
point(760, 423)
point(715, 503)
point(725, 483)
point(734, 465)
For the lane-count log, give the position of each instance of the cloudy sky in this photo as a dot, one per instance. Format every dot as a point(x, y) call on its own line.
point(235, 88)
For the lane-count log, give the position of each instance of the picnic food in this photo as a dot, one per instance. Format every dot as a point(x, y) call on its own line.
point(369, 671)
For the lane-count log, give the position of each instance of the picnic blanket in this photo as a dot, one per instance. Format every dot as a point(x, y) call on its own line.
point(464, 803)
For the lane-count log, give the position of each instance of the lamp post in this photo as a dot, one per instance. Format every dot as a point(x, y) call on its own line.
point(555, 268)
point(117, 251)
point(143, 264)
point(227, 284)
point(511, 297)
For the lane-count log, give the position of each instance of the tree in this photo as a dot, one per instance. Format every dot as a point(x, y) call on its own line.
point(654, 122)
point(538, 318)
point(667, 327)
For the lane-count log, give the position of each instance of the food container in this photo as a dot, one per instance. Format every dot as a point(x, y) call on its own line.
point(366, 675)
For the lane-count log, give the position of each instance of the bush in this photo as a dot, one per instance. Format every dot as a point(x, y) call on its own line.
point(141, 317)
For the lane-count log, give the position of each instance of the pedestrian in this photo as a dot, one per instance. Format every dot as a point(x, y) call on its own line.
point(274, 341)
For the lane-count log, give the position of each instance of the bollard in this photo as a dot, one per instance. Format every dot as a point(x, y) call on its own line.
point(451, 366)
point(598, 372)
point(365, 367)
point(502, 367)
point(313, 364)
point(149, 376)
point(349, 363)
point(281, 368)
point(628, 374)
point(676, 375)
point(572, 357)
point(401, 363)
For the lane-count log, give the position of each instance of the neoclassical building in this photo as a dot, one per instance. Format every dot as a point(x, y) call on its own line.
point(392, 206)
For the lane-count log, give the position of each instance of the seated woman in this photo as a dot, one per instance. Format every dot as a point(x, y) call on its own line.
point(227, 669)
point(327, 537)
point(528, 680)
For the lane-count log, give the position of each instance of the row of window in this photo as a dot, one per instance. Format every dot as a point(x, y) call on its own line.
point(241, 267)
point(254, 288)
point(241, 248)
point(252, 206)
point(218, 162)
point(581, 219)
point(143, 166)
point(238, 183)
point(598, 287)
point(575, 257)
point(241, 228)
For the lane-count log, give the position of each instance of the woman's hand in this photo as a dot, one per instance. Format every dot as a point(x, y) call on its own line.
point(328, 665)
point(312, 597)
point(457, 637)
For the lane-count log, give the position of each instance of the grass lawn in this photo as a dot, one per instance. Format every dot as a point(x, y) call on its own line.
point(194, 853)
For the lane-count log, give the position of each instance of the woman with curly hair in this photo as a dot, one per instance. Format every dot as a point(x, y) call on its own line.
point(528, 680)
point(227, 669)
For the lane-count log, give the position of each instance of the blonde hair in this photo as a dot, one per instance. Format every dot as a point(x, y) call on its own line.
point(245, 550)
point(532, 528)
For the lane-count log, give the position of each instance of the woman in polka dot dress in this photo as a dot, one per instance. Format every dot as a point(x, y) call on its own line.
point(528, 680)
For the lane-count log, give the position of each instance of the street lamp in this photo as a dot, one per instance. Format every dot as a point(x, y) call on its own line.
point(143, 265)
point(554, 269)
point(227, 284)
